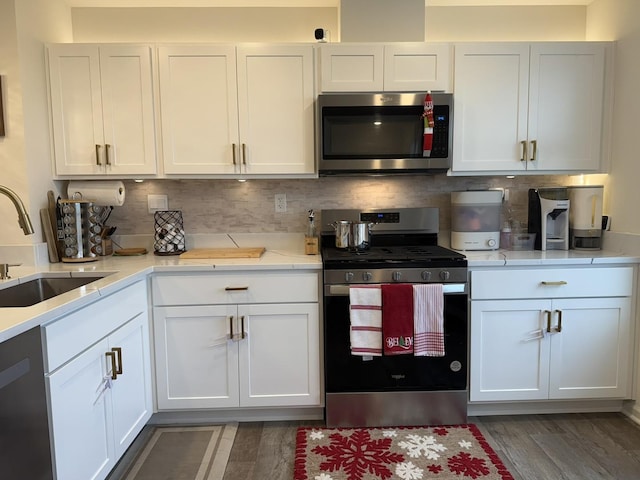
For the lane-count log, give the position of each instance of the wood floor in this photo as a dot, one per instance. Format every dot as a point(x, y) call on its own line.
point(533, 447)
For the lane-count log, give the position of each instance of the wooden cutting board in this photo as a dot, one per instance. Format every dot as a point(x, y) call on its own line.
point(223, 253)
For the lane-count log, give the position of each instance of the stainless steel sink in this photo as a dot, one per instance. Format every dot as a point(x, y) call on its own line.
point(41, 289)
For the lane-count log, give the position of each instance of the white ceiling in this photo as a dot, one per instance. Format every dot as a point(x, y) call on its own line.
point(301, 3)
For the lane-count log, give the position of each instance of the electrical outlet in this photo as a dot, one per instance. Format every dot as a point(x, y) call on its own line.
point(157, 202)
point(281, 202)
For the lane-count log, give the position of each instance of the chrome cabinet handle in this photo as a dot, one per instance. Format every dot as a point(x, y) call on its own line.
point(524, 151)
point(559, 327)
point(553, 284)
point(112, 357)
point(233, 153)
point(107, 148)
point(534, 151)
point(98, 155)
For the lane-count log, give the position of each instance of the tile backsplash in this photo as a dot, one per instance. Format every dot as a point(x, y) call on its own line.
point(222, 206)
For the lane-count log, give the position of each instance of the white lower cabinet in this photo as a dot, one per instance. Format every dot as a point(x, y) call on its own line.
point(551, 348)
point(228, 352)
point(95, 417)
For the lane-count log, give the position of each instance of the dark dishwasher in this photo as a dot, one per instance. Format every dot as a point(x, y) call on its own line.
point(25, 451)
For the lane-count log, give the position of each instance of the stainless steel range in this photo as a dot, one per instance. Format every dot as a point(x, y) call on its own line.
point(389, 390)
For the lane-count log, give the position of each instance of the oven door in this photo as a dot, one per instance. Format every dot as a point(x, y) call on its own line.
point(345, 373)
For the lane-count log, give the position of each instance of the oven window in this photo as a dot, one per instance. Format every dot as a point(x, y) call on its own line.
point(348, 373)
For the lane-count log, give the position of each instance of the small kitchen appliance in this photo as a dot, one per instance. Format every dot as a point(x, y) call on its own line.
point(549, 217)
point(382, 133)
point(475, 220)
point(392, 390)
point(585, 217)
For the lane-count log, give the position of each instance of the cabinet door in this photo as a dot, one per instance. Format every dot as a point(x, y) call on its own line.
point(509, 351)
point(490, 108)
point(590, 355)
point(131, 391)
point(410, 67)
point(196, 361)
point(81, 416)
point(566, 106)
point(199, 106)
point(279, 356)
point(275, 102)
point(76, 108)
point(127, 98)
point(351, 68)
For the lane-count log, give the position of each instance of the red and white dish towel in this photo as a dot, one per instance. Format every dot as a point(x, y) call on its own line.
point(428, 305)
point(365, 313)
point(397, 318)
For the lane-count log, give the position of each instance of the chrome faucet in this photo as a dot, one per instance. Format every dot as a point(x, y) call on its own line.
point(23, 217)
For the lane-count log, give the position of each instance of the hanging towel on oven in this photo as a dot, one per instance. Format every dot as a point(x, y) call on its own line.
point(365, 313)
point(397, 318)
point(428, 304)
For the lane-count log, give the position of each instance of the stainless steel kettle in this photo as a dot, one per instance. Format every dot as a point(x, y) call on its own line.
point(352, 235)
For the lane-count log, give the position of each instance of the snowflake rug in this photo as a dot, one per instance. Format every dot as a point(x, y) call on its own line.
point(407, 453)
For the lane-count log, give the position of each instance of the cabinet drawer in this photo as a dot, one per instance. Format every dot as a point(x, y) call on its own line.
point(67, 336)
point(234, 288)
point(552, 283)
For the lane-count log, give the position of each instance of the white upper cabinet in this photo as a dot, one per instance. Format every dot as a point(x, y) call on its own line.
point(102, 108)
point(199, 108)
point(237, 111)
point(397, 67)
point(534, 108)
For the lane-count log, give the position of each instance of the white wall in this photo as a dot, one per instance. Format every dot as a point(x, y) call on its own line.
point(12, 155)
point(201, 24)
point(24, 152)
point(298, 24)
point(620, 20)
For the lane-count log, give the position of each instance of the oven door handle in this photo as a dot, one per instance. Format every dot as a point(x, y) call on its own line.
point(343, 290)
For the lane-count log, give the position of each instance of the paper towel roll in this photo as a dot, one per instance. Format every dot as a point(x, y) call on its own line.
point(99, 192)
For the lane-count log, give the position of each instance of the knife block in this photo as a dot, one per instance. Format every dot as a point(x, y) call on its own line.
point(310, 245)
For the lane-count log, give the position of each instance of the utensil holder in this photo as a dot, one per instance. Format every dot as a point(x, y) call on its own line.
point(169, 233)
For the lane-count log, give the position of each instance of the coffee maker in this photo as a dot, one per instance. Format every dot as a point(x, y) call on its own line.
point(549, 217)
point(585, 220)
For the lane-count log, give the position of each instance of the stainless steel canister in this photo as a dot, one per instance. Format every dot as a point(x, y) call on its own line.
point(343, 234)
point(360, 235)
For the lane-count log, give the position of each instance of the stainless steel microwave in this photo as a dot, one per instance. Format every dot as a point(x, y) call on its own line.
point(382, 133)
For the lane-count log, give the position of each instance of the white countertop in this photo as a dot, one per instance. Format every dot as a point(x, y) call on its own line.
point(283, 252)
point(513, 258)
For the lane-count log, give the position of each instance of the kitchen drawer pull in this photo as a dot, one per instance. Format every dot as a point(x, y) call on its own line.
point(548, 314)
point(107, 147)
point(524, 151)
point(231, 327)
point(534, 150)
point(233, 153)
point(235, 289)
point(112, 356)
point(559, 327)
point(118, 352)
point(244, 153)
point(553, 284)
point(243, 334)
point(98, 155)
